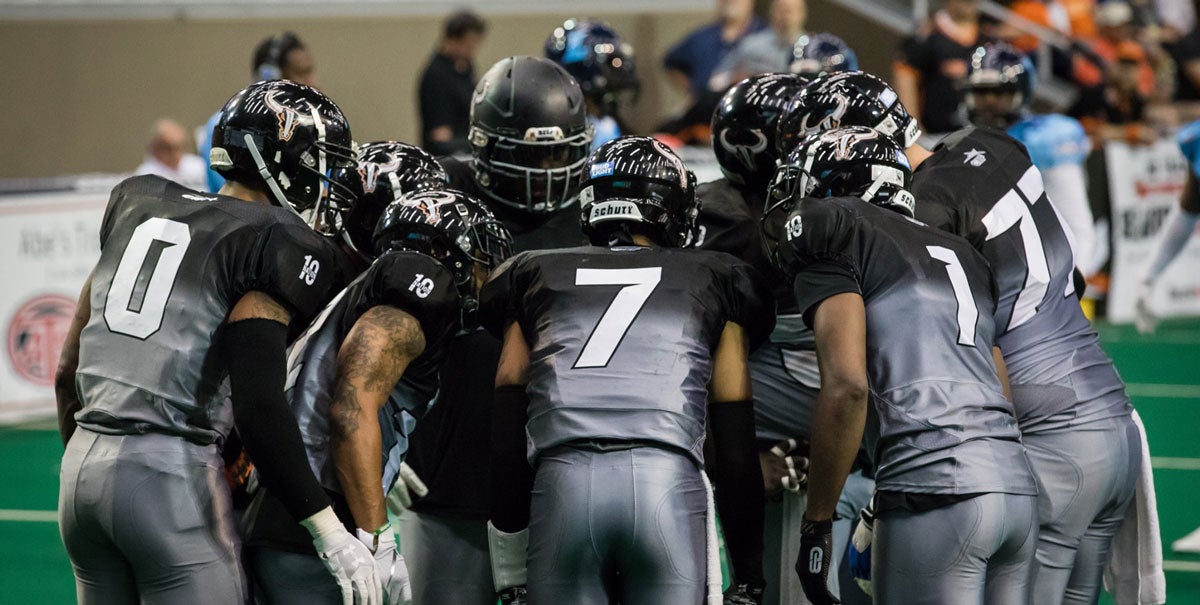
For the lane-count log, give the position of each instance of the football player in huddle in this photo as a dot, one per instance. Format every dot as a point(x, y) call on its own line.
point(602, 63)
point(366, 369)
point(180, 336)
point(1074, 414)
point(955, 503)
point(998, 92)
point(529, 140)
point(615, 358)
point(784, 370)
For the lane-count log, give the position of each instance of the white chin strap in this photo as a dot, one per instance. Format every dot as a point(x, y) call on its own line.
point(269, 178)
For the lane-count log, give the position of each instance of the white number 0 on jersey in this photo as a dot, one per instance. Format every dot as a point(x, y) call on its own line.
point(137, 297)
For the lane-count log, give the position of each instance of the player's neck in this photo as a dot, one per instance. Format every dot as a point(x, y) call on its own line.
point(244, 193)
point(916, 154)
point(641, 240)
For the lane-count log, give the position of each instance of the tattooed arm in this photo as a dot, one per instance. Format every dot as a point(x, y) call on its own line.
point(372, 359)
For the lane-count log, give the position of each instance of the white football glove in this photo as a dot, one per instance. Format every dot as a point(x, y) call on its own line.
point(350, 561)
point(860, 550)
point(407, 485)
point(1144, 318)
point(389, 565)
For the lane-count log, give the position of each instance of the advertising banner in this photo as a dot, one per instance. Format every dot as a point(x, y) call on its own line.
point(1145, 183)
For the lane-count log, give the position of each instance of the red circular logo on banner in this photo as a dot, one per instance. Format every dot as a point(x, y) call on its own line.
point(36, 334)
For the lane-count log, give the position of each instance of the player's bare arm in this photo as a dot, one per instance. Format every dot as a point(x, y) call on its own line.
point(257, 305)
point(513, 368)
point(841, 407)
point(65, 392)
point(371, 361)
point(735, 466)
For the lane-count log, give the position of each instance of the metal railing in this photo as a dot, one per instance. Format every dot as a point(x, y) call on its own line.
point(904, 19)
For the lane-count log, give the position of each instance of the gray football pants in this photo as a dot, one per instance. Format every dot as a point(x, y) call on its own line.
point(625, 526)
point(1086, 477)
point(781, 539)
point(148, 519)
point(971, 552)
point(447, 559)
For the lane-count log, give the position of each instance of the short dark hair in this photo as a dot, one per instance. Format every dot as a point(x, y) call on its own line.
point(462, 23)
point(274, 50)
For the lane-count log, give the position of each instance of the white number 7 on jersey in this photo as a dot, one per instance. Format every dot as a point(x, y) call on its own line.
point(611, 329)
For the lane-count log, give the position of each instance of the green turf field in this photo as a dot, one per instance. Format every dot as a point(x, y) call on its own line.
point(1162, 371)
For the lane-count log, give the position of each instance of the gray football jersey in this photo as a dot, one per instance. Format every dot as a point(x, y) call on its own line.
point(411, 282)
point(980, 184)
point(173, 263)
point(621, 339)
point(938, 421)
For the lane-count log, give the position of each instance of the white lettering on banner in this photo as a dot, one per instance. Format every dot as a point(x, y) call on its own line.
point(1144, 188)
point(48, 246)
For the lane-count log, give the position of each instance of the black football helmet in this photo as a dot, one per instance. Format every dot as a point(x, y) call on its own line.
point(529, 134)
point(638, 183)
point(596, 56)
point(821, 53)
point(852, 98)
point(853, 161)
point(386, 170)
point(999, 67)
point(450, 226)
point(286, 139)
point(743, 127)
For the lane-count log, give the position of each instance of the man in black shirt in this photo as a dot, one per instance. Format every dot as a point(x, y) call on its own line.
point(529, 142)
point(446, 85)
point(934, 60)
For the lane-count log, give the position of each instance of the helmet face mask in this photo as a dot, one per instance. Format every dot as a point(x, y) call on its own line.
point(998, 87)
point(286, 139)
point(529, 135)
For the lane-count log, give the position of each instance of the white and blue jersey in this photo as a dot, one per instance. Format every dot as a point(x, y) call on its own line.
point(1052, 140)
point(1189, 143)
point(604, 129)
point(204, 147)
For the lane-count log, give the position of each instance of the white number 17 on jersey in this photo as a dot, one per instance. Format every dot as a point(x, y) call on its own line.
point(611, 329)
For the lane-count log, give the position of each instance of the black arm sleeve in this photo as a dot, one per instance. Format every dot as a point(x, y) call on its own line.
point(738, 487)
point(512, 477)
point(254, 351)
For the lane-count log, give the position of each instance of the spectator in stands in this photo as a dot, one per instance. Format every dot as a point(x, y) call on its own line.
point(1181, 40)
point(1114, 29)
point(166, 157)
point(769, 50)
point(281, 56)
point(934, 61)
point(1115, 110)
point(690, 63)
point(448, 83)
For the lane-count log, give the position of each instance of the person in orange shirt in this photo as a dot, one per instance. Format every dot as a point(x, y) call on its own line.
point(1113, 43)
